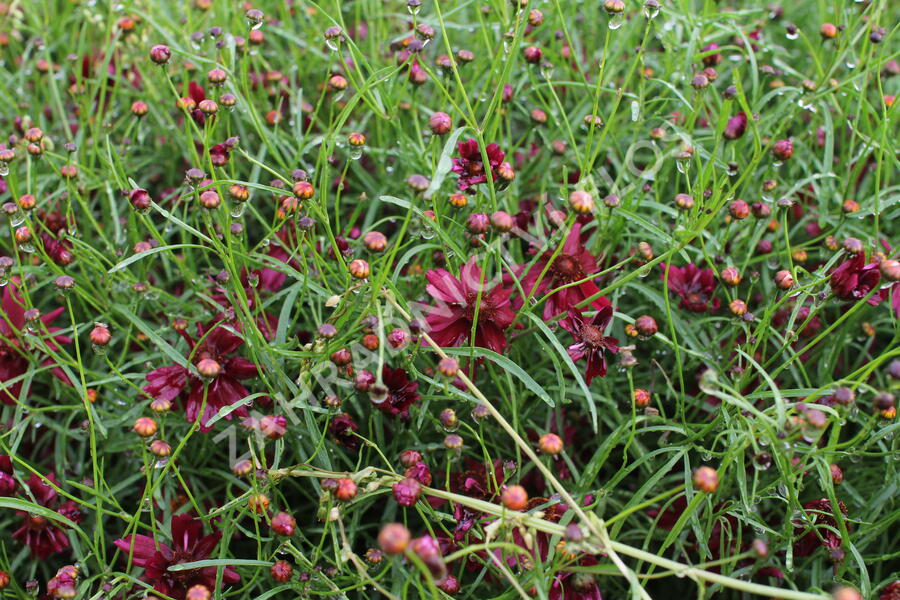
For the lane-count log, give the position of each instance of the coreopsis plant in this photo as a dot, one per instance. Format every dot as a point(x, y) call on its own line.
point(421, 299)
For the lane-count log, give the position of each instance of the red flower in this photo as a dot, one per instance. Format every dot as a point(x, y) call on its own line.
point(853, 279)
point(572, 264)
point(822, 529)
point(43, 536)
point(694, 285)
point(196, 93)
point(590, 341)
point(170, 382)
point(470, 166)
point(14, 354)
point(342, 429)
point(402, 393)
point(7, 481)
point(187, 546)
point(451, 321)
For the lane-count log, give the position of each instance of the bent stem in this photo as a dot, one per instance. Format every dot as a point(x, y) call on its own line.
point(593, 544)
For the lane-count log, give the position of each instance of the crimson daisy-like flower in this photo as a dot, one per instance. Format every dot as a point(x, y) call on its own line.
point(451, 321)
point(43, 536)
point(187, 546)
point(822, 529)
point(590, 342)
point(7, 481)
point(470, 165)
point(14, 351)
point(694, 285)
point(209, 355)
point(402, 393)
point(853, 279)
point(573, 264)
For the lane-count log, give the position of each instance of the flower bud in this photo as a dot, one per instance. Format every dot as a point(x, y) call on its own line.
point(581, 201)
point(258, 503)
point(706, 479)
point(550, 443)
point(281, 571)
point(784, 279)
point(407, 491)
point(514, 497)
point(393, 538)
point(145, 427)
point(346, 489)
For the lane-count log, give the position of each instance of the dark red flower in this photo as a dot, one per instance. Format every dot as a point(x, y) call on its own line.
point(819, 527)
point(451, 321)
point(196, 93)
point(402, 393)
point(14, 352)
point(470, 166)
point(694, 285)
point(853, 279)
point(187, 546)
point(589, 339)
point(573, 264)
point(224, 389)
point(7, 481)
point(342, 429)
point(43, 536)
